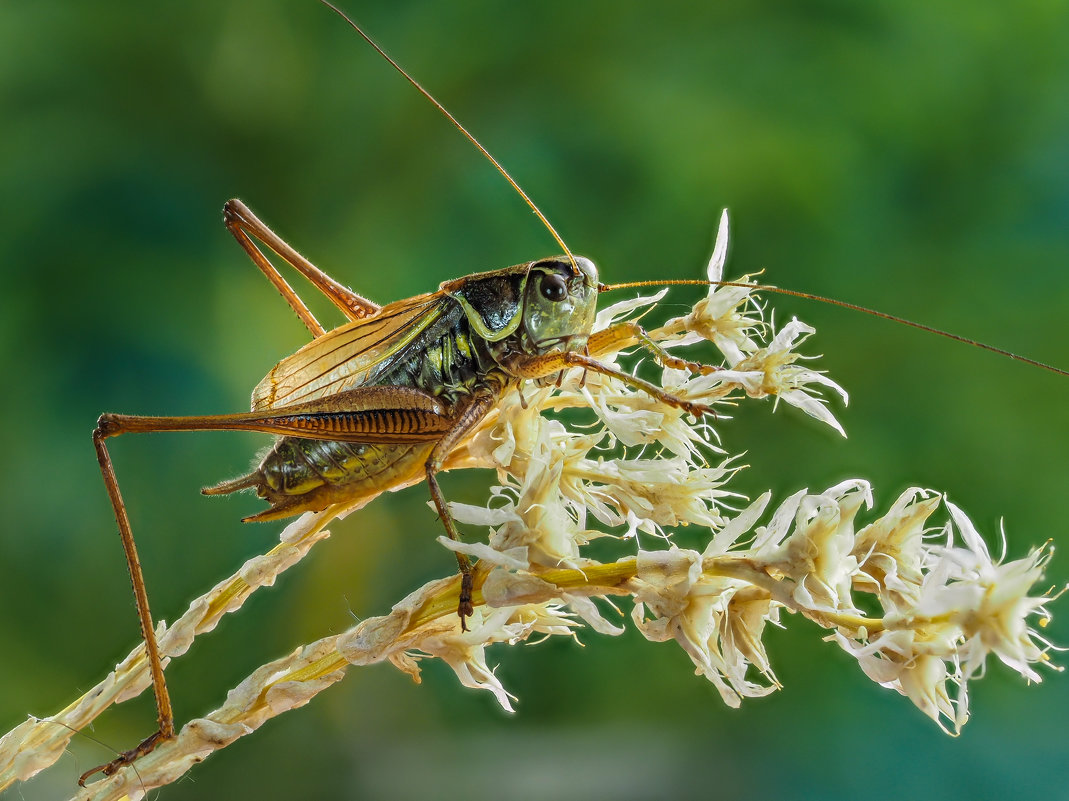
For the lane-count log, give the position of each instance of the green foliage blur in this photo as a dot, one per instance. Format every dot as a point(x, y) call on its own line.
point(910, 156)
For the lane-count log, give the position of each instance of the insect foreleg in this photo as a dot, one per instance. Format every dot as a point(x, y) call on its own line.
point(540, 366)
point(589, 363)
point(623, 335)
point(243, 224)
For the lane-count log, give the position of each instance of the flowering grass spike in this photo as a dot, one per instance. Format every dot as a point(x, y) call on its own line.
point(636, 469)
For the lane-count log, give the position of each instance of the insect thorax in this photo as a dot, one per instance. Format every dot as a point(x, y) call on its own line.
point(447, 360)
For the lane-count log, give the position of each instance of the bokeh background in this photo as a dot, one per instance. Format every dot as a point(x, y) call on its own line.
point(912, 156)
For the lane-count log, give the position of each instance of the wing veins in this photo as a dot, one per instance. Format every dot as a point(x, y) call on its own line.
point(313, 369)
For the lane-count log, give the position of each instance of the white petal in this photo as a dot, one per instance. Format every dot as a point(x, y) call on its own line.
point(715, 270)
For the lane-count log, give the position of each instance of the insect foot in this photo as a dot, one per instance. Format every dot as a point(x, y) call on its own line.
point(147, 746)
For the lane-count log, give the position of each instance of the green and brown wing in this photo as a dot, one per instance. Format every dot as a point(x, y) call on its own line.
point(346, 357)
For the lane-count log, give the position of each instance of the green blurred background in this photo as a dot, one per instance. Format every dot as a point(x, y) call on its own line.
point(911, 156)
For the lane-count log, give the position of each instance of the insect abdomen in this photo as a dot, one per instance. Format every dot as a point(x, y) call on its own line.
point(301, 475)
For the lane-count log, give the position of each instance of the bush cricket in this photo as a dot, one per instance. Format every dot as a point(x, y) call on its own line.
point(385, 397)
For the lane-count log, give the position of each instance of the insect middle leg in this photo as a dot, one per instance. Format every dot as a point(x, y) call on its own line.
point(469, 415)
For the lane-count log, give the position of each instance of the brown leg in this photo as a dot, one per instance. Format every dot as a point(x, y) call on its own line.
point(623, 335)
point(541, 366)
point(164, 711)
point(243, 224)
point(465, 421)
point(397, 414)
point(464, 605)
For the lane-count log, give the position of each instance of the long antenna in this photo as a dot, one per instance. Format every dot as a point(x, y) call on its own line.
point(678, 282)
point(459, 127)
point(845, 305)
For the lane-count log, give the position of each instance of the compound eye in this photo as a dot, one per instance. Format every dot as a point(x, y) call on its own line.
point(554, 287)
